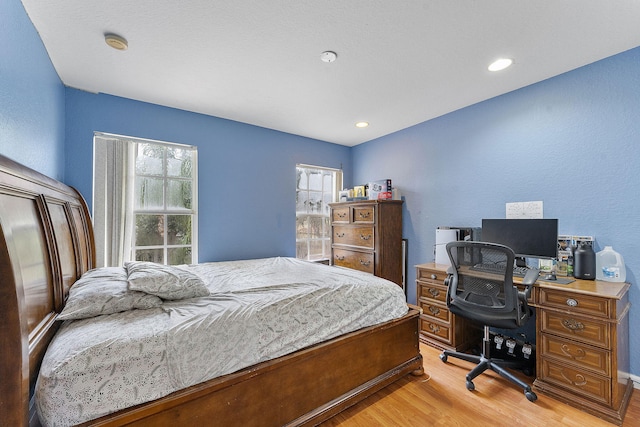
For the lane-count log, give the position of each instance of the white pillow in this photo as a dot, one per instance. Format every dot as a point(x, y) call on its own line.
point(165, 281)
point(104, 291)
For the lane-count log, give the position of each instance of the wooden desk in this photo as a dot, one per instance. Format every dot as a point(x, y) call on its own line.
point(582, 339)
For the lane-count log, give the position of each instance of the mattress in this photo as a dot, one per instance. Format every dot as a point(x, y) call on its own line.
point(255, 310)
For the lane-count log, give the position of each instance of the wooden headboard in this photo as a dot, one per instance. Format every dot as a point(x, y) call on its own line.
point(46, 244)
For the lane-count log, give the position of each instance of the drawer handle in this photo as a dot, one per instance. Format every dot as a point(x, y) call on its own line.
point(365, 263)
point(339, 234)
point(434, 292)
point(580, 380)
point(434, 277)
point(364, 215)
point(367, 237)
point(572, 303)
point(341, 214)
point(340, 258)
point(572, 325)
point(434, 328)
point(567, 351)
point(434, 310)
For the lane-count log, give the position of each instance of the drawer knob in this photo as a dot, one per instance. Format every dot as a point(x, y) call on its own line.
point(364, 215)
point(365, 263)
point(572, 303)
point(572, 324)
point(434, 328)
point(434, 310)
point(341, 214)
point(367, 237)
point(434, 277)
point(434, 292)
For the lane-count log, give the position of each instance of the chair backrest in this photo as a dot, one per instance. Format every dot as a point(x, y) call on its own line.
point(480, 284)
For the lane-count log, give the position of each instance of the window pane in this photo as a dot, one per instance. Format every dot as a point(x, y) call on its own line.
point(179, 162)
point(179, 229)
point(315, 227)
point(315, 180)
point(148, 193)
point(302, 182)
point(179, 256)
point(327, 185)
point(179, 194)
point(302, 227)
point(314, 204)
point(149, 159)
point(315, 249)
point(149, 230)
point(326, 233)
point(150, 255)
point(301, 201)
point(301, 250)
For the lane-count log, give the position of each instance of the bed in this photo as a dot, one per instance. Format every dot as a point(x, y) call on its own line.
point(46, 246)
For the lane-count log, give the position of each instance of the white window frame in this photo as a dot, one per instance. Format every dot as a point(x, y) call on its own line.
point(113, 203)
point(325, 213)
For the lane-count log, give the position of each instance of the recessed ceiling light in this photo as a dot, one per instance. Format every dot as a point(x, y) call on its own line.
point(116, 42)
point(362, 124)
point(328, 56)
point(500, 64)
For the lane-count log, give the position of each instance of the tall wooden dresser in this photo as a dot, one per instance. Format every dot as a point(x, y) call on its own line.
point(367, 236)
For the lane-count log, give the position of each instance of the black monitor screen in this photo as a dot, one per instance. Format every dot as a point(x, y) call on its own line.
point(535, 238)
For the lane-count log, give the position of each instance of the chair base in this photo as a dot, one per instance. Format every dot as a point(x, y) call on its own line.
point(483, 362)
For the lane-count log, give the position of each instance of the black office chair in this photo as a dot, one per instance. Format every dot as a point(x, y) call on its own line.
point(481, 289)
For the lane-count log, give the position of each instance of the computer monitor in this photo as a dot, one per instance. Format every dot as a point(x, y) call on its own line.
point(528, 238)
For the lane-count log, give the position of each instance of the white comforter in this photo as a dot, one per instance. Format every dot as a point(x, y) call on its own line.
point(257, 310)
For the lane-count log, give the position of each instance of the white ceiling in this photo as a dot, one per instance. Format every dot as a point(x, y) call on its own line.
point(400, 62)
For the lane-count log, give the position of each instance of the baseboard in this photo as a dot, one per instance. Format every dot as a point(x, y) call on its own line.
point(636, 380)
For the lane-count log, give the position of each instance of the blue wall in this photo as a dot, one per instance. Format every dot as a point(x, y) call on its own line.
point(572, 141)
point(246, 174)
point(31, 96)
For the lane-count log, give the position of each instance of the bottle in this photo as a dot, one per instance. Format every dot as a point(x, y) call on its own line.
point(584, 262)
point(610, 266)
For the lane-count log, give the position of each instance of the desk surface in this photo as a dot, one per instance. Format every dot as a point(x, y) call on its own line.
point(614, 290)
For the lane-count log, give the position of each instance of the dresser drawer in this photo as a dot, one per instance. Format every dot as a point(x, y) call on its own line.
point(361, 236)
point(435, 311)
point(437, 330)
point(340, 214)
point(578, 381)
point(575, 303)
point(362, 261)
point(363, 215)
point(432, 276)
point(575, 327)
point(581, 355)
point(432, 291)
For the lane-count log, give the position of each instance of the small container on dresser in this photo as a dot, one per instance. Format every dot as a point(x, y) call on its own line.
point(367, 236)
point(438, 327)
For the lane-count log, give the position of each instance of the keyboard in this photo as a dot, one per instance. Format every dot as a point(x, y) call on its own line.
point(499, 268)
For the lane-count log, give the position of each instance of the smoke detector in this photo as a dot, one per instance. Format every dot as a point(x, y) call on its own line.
point(328, 56)
point(116, 42)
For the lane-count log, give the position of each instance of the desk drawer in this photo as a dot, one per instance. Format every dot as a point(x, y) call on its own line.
point(575, 303)
point(432, 276)
point(435, 311)
point(436, 329)
point(432, 291)
point(340, 214)
point(581, 355)
point(576, 327)
point(362, 261)
point(361, 236)
point(363, 214)
point(578, 381)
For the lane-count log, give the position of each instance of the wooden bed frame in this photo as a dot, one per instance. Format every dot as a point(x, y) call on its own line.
point(46, 244)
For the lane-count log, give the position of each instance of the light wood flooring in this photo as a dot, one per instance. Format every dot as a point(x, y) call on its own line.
point(440, 398)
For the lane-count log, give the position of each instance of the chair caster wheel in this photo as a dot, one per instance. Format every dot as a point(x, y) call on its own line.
point(531, 396)
point(470, 386)
point(528, 372)
point(443, 357)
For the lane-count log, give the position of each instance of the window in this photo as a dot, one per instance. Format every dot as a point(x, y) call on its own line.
point(316, 187)
point(145, 206)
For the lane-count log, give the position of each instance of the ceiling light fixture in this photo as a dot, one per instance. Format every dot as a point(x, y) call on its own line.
point(116, 42)
point(362, 124)
point(328, 56)
point(500, 64)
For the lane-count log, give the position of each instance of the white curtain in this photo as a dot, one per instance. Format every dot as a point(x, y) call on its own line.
point(114, 179)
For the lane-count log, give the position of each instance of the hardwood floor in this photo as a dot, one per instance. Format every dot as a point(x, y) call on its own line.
point(440, 398)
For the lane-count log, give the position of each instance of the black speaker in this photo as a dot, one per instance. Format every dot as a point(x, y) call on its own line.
point(584, 262)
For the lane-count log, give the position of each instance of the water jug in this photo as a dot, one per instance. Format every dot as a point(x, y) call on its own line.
point(610, 266)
